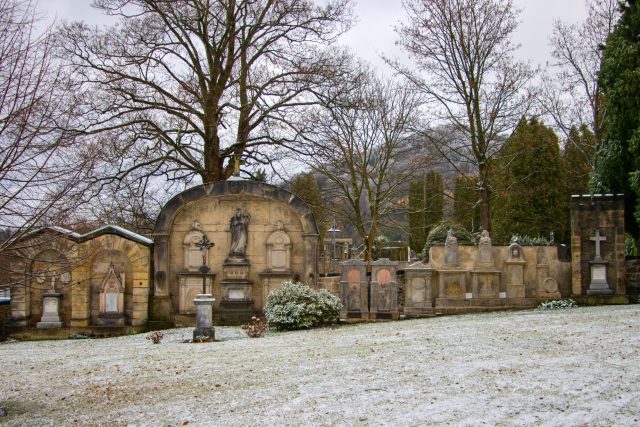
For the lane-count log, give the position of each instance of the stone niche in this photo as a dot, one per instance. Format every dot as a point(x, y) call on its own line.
point(597, 248)
point(111, 299)
point(384, 290)
point(278, 261)
point(418, 292)
point(515, 272)
point(279, 242)
point(354, 291)
point(191, 281)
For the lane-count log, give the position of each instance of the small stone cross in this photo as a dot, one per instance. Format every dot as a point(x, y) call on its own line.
point(204, 244)
point(598, 239)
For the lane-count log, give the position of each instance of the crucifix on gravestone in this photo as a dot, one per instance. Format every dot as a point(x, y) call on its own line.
point(598, 239)
point(204, 245)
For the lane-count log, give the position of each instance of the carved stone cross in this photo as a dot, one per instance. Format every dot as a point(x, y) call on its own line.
point(598, 239)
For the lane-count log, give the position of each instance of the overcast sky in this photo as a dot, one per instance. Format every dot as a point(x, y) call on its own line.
point(373, 34)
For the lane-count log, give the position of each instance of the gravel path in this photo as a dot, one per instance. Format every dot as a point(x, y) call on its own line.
point(564, 367)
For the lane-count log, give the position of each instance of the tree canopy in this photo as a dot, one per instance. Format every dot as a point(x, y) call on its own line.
point(189, 89)
point(529, 183)
point(618, 159)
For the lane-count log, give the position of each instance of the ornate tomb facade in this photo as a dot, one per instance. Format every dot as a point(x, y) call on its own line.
point(261, 236)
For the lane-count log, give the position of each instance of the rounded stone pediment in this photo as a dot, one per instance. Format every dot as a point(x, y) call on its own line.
point(238, 188)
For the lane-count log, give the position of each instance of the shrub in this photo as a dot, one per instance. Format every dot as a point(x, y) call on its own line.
point(438, 235)
point(531, 241)
point(256, 327)
point(297, 306)
point(155, 337)
point(557, 304)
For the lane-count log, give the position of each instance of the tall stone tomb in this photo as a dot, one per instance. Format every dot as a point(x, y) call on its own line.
point(597, 248)
point(258, 236)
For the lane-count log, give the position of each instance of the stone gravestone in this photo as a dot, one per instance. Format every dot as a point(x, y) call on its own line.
point(354, 290)
point(485, 278)
point(384, 290)
point(598, 284)
point(111, 299)
point(50, 308)
point(418, 294)
point(515, 272)
point(452, 280)
point(548, 288)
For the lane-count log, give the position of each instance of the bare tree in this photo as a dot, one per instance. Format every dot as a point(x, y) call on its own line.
point(572, 95)
point(359, 139)
point(465, 67)
point(190, 89)
point(41, 174)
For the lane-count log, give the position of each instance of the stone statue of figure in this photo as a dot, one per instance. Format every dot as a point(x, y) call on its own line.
point(451, 249)
point(239, 225)
point(485, 252)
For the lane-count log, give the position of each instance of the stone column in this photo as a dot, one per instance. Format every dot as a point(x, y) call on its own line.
point(311, 258)
point(204, 318)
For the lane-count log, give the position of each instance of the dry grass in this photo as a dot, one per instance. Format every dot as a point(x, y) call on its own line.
point(565, 367)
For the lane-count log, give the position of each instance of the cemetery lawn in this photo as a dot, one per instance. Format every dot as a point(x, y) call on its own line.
point(561, 367)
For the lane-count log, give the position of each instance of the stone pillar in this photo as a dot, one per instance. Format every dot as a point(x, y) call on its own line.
point(161, 304)
point(204, 318)
point(311, 259)
point(81, 289)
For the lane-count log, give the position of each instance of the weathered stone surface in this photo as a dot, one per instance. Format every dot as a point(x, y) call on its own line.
point(604, 214)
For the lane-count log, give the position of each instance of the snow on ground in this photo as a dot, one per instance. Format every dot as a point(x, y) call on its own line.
point(564, 367)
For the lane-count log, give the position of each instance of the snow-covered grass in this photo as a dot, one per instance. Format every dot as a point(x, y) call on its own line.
point(564, 367)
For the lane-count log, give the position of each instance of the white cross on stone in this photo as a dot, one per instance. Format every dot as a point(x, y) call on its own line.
point(598, 239)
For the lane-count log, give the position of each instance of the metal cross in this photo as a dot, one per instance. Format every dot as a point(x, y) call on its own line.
point(204, 244)
point(598, 239)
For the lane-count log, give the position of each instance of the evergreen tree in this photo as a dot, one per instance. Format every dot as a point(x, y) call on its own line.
point(417, 233)
point(433, 200)
point(306, 187)
point(465, 206)
point(618, 159)
point(529, 182)
point(578, 158)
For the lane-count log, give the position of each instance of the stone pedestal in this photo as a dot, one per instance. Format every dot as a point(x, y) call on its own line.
point(418, 292)
point(452, 290)
point(236, 286)
point(204, 318)
point(485, 283)
point(599, 284)
point(50, 311)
